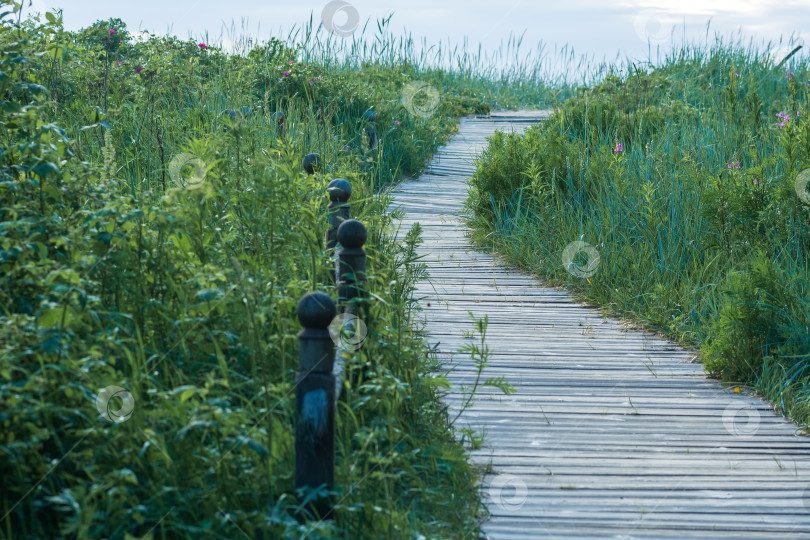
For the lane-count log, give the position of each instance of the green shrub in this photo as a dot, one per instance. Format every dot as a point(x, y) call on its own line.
point(696, 216)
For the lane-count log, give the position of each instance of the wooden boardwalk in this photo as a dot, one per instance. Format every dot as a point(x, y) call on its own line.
point(612, 433)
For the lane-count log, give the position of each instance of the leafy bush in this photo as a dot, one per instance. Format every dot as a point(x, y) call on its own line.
point(684, 179)
point(156, 232)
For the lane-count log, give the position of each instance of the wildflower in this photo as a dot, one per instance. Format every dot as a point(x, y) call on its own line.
point(755, 181)
point(286, 73)
point(619, 148)
point(292, 62)
point(202, 45)
point(736, 74)
point(119, 62)
point(734, 165)
point(346, 148)
point(138, 69)
point(112, 31)
point(396, 122)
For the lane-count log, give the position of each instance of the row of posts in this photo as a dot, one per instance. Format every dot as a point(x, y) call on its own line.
point(315, 383)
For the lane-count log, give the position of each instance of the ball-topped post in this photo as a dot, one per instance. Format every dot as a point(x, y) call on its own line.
point(316, 352)
point(279, 118)
point(340, 191)
point(315, 399)
point(351, 236)
point(370, 119)
point(312, 163)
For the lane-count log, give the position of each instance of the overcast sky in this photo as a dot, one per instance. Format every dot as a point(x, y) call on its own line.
point(602, 28)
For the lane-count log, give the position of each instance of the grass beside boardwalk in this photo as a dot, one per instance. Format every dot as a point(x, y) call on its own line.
point(122, 266)
point(683, 178)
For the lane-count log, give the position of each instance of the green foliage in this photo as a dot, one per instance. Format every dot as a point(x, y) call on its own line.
point(156, 232)
point(701, 230)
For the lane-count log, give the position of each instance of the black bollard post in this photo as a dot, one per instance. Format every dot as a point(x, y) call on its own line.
point(312, 163)
point(371, 129)
point(339, 191)
point(279, 117)
point(315, 400)
point(351, 236)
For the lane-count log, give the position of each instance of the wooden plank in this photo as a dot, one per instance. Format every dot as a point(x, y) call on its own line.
point(613, 432)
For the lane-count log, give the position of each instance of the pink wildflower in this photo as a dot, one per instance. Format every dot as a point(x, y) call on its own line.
point(138, 69)
point(202, 46)
point(112, 31)
point(619, 148)
point(286, 73)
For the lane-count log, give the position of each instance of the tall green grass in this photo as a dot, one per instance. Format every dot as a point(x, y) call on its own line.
point(114, 271)
point(699, 226)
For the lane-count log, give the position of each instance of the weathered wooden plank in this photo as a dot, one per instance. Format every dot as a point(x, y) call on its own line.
point(613, 432)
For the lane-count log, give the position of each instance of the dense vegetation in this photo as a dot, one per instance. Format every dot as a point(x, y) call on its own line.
point(685, 178)
point(178, 281)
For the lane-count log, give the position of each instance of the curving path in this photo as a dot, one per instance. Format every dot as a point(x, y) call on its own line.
point(612, 433)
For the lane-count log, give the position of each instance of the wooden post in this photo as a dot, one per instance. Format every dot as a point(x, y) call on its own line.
point(279, 118)
point(371, 129)
point(339, 193)
point(351, 261)
point(315, 400)
point(312, 163)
